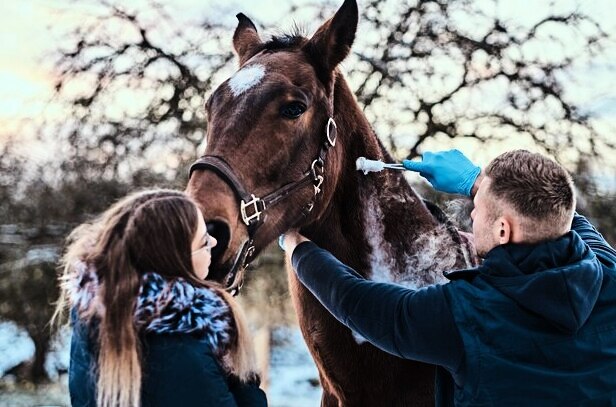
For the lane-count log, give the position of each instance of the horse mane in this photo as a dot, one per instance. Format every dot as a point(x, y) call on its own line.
point(284, 41)
point(295, 38)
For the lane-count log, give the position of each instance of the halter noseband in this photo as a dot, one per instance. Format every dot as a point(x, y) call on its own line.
point(253, 207)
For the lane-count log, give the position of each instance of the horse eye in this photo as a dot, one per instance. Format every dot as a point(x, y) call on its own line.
point(293, 110)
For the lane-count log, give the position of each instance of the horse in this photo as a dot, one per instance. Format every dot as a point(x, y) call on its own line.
point(283, 136)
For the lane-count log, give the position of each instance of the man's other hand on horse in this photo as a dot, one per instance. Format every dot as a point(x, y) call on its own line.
point(447, 171)
point(288, 241)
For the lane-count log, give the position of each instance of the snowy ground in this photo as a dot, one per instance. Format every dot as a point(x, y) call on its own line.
point(293, 376)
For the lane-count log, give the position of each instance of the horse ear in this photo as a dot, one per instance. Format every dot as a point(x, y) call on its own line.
point(246, 41)
point(332, 41)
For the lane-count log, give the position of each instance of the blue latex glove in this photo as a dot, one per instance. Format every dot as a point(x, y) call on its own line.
point(448, 171)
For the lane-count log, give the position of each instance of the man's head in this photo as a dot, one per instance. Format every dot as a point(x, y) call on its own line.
point(524, 198)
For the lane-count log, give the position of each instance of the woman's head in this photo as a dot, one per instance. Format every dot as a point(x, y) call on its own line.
point(158, 231)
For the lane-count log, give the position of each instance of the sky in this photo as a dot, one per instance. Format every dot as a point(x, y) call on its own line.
point(26, 77)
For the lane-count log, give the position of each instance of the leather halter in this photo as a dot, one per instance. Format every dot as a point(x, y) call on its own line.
point(252, 208)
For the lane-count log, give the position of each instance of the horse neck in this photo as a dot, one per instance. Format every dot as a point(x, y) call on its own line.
point(376, 223)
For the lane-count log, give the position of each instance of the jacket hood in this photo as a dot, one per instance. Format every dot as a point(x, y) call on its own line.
point(558, 280)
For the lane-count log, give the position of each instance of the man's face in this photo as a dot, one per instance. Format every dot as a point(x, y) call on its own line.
point(485, 219)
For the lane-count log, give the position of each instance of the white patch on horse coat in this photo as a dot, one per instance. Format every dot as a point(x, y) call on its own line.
point(381, 259)
point(433, 251)
point(246, 78)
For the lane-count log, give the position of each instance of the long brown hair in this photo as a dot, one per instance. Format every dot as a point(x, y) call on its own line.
point(146, 231)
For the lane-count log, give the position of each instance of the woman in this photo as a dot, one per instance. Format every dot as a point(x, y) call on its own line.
point(147, 328)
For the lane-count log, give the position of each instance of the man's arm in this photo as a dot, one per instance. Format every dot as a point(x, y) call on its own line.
point(411, 324)
point(589, 234)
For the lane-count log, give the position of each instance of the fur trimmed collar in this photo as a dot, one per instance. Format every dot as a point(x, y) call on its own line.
point(163, 306)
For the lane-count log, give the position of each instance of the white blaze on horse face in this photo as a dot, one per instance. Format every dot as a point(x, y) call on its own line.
point(246, 78)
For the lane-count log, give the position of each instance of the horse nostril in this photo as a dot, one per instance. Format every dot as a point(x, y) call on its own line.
point(220, 231)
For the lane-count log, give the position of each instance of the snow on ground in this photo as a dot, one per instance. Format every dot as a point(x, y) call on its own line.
point(293, 375)
point(294, 380)
point(49, 395)
point(15, 346)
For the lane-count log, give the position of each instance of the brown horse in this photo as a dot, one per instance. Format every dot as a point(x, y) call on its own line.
point(275, 159)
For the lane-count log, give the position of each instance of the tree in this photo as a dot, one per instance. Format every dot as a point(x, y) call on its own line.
point(457, 69)
point(38, 213)
point(27, 290)
point(424, 70)
point(156, 70)
point(596, 203)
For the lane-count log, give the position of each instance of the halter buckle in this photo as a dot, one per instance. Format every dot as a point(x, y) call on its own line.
point(331, 135)
point(254, 203)
point(250, 251)
point(317, 187)
point(318, 163)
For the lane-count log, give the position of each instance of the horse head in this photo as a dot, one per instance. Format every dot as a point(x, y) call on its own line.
point(271, 161)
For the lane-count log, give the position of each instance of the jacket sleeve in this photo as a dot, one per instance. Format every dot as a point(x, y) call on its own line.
point(182, 371)
point(411, 324)
point(589, 234)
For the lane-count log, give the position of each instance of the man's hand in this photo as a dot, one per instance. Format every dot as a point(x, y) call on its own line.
point(290, 240)
point(447, 171)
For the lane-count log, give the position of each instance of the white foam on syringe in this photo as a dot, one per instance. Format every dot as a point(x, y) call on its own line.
point(366, 165)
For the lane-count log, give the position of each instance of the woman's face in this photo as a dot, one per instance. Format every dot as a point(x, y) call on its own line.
point(202, 244)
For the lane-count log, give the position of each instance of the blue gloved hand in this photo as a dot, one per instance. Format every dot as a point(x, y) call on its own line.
point(281, 242)
point(447, 171)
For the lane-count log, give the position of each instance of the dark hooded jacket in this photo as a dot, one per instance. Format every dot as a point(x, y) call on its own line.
point(534, 325)
point(185, 334)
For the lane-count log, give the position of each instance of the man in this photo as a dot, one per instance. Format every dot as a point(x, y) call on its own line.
point(535, 324)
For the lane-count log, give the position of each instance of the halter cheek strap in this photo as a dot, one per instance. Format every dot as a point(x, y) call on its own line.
point(253, 207)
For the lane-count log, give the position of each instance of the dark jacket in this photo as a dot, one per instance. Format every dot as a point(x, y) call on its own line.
point(534, 325)
point(182, 348)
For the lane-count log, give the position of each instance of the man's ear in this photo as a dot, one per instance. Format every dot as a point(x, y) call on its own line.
point(503, 230)
point(246, 41)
